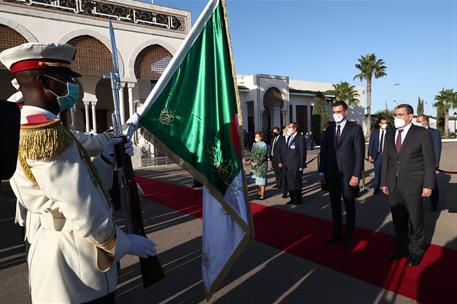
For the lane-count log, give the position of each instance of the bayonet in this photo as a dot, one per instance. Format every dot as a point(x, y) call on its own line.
point(127, 191)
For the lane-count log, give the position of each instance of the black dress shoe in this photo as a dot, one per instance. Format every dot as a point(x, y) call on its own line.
point(285, 196)
point(414, 260)
point(333, 239)
point(397, 255)
point(347, 242)
point(290, 203)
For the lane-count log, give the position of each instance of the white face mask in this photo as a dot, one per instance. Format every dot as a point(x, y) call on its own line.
point(383, 126)
point(338, 118)
point(257, 139)
point(399, 123)
point(290, 131)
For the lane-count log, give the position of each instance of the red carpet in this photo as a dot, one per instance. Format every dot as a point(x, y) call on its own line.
point(433, 281)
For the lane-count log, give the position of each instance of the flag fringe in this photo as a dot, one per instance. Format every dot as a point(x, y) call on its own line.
point(220, 198)
point(247, 227)
point(240, 116)
point(226, 269)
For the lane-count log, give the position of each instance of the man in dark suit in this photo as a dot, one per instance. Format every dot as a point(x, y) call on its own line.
point(273, 150)
point(375, 151)
point(408, 176)
point(341, 163)
point(281, 142)
point(292, 157)
point(436, 138)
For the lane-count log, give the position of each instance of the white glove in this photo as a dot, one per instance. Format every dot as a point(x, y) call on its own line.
point(141, 246)
point(128, 147)
point(131, 125)
point(108, 153)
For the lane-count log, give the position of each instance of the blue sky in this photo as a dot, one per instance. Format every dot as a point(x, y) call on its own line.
point(321, 41)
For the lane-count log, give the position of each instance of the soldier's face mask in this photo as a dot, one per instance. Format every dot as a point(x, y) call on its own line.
point(72, 97)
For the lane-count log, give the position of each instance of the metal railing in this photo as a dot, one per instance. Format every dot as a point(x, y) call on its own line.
point(153, 158)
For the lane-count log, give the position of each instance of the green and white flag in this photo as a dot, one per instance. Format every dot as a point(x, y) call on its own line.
point(194, 113)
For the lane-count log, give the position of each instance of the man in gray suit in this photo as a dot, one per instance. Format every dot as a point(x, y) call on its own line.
point(408, 176)
point(436, 137)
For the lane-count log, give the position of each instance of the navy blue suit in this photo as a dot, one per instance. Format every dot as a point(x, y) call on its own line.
point(436, 138)
point(375, 151)
point(339, 161)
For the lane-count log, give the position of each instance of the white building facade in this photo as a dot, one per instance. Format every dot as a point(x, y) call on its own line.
point(147, 37)
point(269, 101)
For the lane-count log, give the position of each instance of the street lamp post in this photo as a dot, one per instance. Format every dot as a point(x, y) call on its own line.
point(396, 85)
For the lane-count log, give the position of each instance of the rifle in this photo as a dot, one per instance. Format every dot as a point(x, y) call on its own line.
point(73, 118)
point(151, 270)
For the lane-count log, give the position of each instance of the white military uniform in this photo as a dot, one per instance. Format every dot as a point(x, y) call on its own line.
point(73, 249)
point(94, 144)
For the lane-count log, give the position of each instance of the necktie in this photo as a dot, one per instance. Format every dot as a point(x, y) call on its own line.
point(273, 146)
point(338, 133)
point(398, 142)
point(381, 145)
point(287, 142)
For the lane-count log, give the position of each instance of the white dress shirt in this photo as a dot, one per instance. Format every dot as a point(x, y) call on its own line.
point(381, 149)
point(341, 124)
point(403, 134)
point(273, 145)
point(288, 141)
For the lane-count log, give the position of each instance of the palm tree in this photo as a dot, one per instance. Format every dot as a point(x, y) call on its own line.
point(446, 100)
point(370, 66)
point(345, 91)
point(420, 106)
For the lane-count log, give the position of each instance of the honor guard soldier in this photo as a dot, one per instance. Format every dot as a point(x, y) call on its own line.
point(75, 247)
point(94, 144)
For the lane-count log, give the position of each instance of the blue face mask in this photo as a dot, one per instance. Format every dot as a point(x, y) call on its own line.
point(72, 97)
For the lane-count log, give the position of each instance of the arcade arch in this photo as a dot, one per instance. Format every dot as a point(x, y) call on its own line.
point(10, 38)
point(272, 102)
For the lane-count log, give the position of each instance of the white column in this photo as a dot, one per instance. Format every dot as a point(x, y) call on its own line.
point(94, 117)
point(130, 86)
point(308, 119)
point(294, 113)
point(86, 112)
point(121, 103)
point(256, 115)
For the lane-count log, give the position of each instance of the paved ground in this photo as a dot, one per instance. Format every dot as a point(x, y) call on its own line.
point(263, 274)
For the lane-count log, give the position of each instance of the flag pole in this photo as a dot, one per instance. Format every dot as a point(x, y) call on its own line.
point(178, 57)
point(249, 229)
